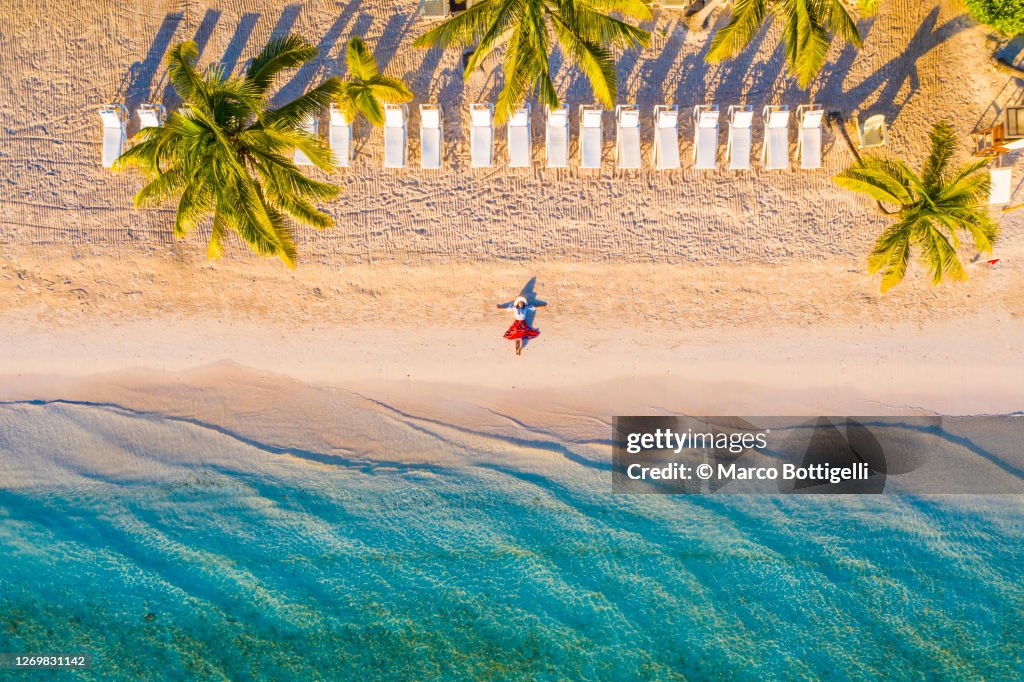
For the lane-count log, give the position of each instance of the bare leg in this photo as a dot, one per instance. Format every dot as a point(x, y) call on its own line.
point(519, 346)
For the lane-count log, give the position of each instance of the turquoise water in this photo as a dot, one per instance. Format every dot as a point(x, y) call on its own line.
point(237, 563)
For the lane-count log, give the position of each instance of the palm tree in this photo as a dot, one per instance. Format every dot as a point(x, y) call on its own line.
point(807, 25)
point(933, 208)
point(583, 29)
point(368, 91)
point(226, 153)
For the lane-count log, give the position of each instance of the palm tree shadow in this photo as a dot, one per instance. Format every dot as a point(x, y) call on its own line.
point(286, 22)
point(656, 74)
point(732, 74)
point(394, 32)
point(889, 80)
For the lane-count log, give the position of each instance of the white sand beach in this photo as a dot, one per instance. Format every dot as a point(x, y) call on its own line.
point(679, 291)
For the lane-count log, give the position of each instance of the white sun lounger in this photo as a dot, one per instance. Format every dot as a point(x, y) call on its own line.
point(775, 150)
point(481, 135)
point(627, 136)
point(873, 133)
point(666, 137)
point(309, 125)
point(808, 142)
point(431, 136)
point(705, 136)
point(150, 115)
point(340, 137)
point(396, 135)
point(520, 148)
point(556, 138)
point(590, 136)
point(115, 137)
point(741, 124)
point(1001, 180)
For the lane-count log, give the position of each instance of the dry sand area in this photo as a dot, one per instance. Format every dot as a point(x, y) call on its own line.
point(756, 278)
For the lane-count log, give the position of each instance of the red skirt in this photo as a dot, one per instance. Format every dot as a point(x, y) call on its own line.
point(521, 330)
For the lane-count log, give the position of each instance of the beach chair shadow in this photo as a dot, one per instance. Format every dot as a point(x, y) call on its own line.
point(243, 32)
point(286, 22)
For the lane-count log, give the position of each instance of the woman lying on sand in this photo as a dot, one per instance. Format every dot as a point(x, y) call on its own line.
point(520, 330)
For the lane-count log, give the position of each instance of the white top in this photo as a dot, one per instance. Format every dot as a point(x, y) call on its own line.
point(520, 313)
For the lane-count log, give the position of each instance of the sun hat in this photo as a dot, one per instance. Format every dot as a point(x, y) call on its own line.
point(519, 299)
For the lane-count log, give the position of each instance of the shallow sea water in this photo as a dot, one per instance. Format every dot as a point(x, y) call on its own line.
point(183, 553)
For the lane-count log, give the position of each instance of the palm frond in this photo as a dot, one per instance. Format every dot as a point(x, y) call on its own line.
point(509, 15)
point(634, 9)
point(600, 29)
point(193, 207)
point(360, 61)
point(181, 70)
point(164, 187)
point(943, 139)
point(868, 8)
point(747, 19)
point(877, 180)
point(282, 178)
point(525, 64)
point(309, 104)
point(596, 62)
point(464, 28)
point(807, 41)
point(287, 52)
point(939, 255)
point(214, 248)
point(391, 91)
point(969, 187)
point(839, 20)
point(891, 254)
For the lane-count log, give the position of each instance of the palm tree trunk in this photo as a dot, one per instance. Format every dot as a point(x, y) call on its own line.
point(837, 118)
